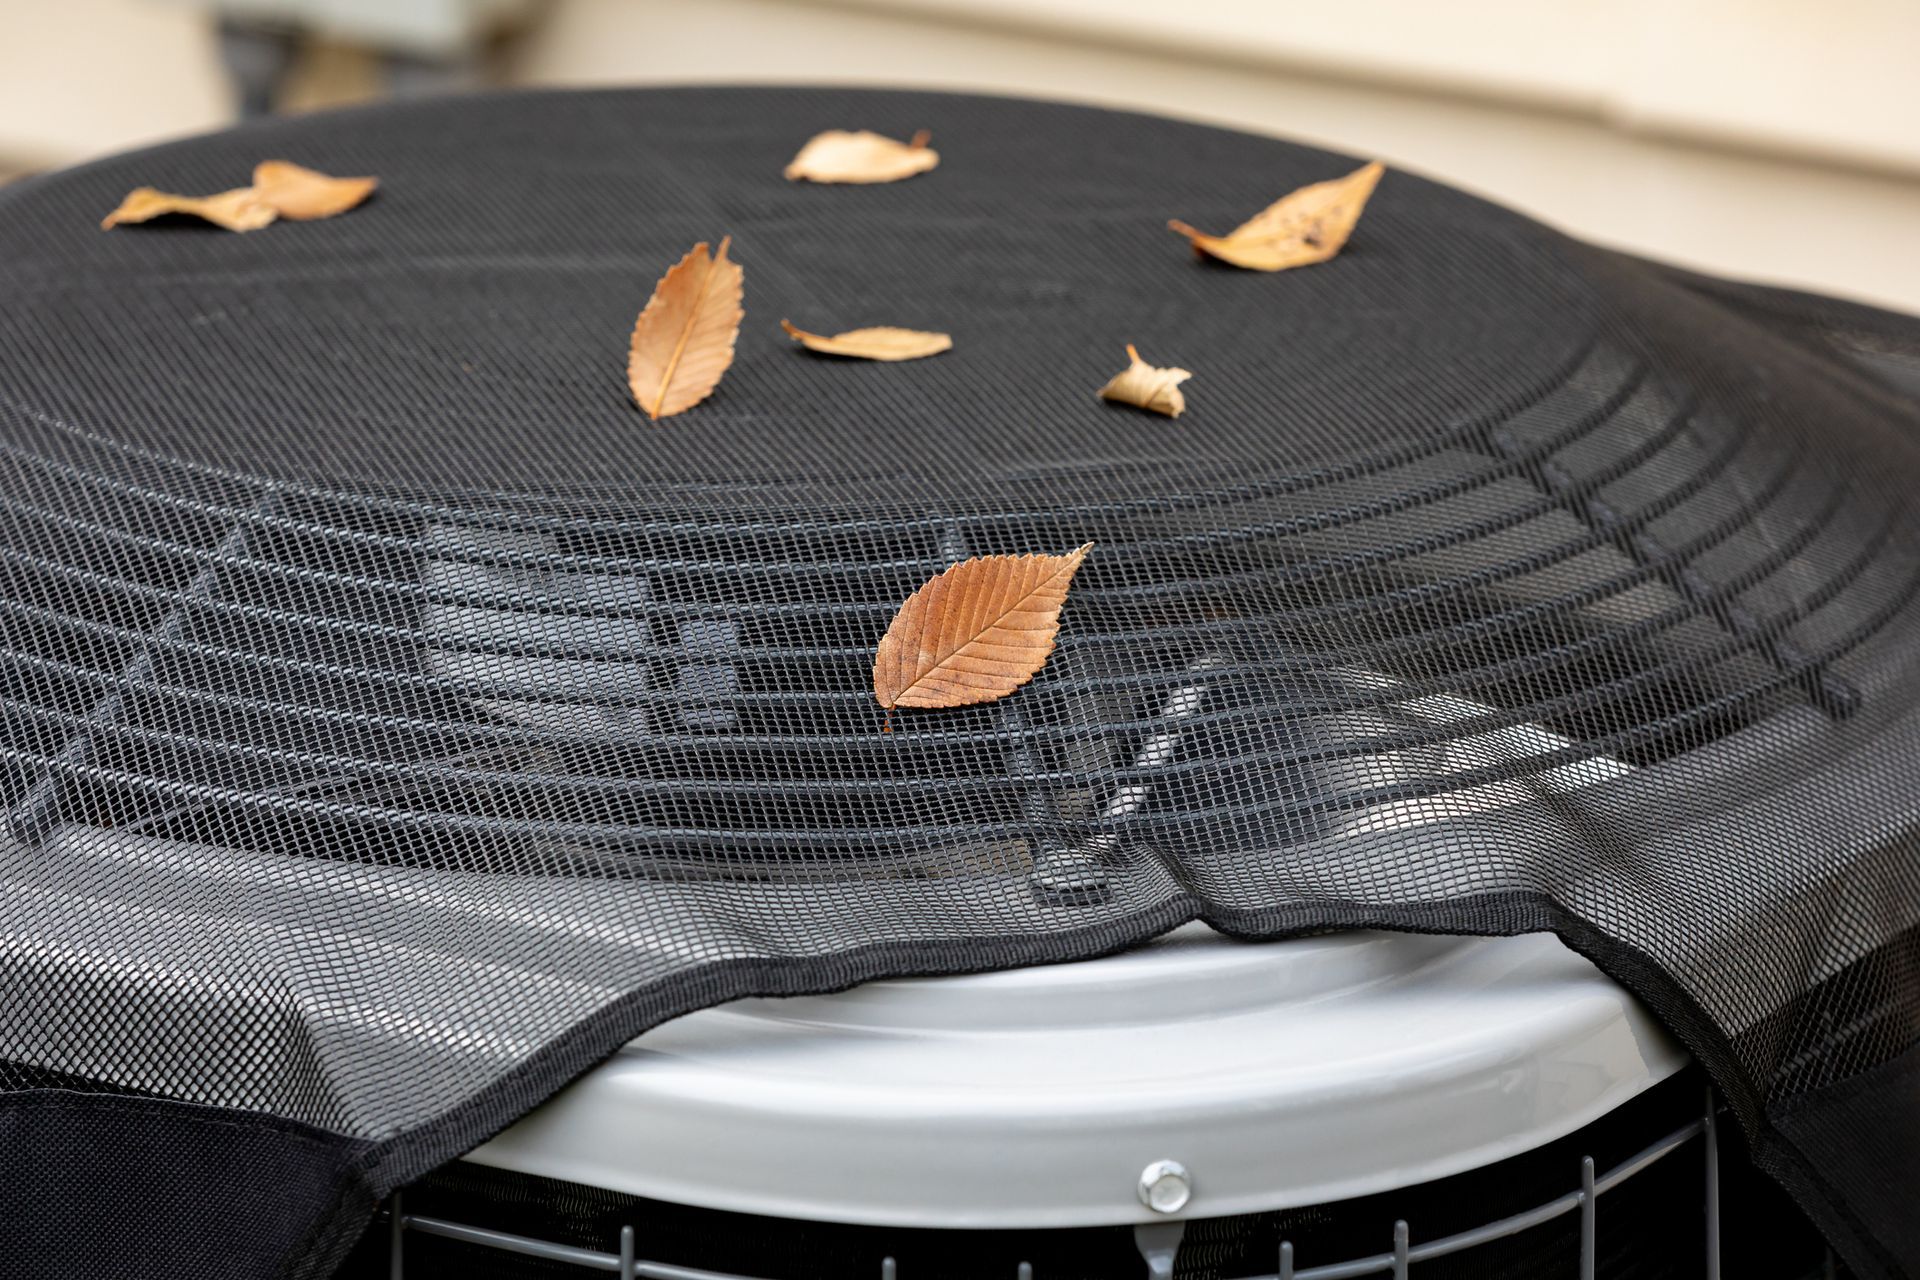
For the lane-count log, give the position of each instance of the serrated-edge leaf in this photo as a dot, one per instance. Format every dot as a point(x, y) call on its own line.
point(975, 632)
point(861, 156)
point(240, 209)
point(300, 194)
point(1147, 386)
point(1304, 227)
point(880, 343)
point(684, 338)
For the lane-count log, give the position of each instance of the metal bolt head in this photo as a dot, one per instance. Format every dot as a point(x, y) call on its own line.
point(1165, 1186)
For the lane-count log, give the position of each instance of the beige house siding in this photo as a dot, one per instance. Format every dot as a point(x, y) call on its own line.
point(1764, 138)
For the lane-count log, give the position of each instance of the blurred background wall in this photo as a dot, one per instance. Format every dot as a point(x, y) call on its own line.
point(1771, 139)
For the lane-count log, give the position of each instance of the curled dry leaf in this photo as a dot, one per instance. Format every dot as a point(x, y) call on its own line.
point(873, 344)
point(683, 340)
point(1309, 226)
point(241, 209)
point(1147, 386)
point(840, 156)
point(974, 633)
point(304, 194)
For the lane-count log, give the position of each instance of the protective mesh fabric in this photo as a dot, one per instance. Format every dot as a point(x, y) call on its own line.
point(394, 721)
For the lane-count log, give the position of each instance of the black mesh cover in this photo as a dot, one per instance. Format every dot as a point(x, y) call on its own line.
point(393, 720)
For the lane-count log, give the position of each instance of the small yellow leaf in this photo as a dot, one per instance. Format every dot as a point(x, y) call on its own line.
point(840, 156)
point(1311, 225)
point(304, 194)
point(873, 344)
point(683, 340)
point(238, 210)
point(1147, 386)
point(974, 633)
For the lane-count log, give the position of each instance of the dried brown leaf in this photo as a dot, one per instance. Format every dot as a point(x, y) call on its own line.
point(873, 344)
point(1147, 386)
point(974, 633)
point(238, 210)
point(683, 340)
point(303, 194)
point(1311, 225)
point(840, 156)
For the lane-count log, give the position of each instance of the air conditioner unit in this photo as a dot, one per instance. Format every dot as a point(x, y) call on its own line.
point(394, 721)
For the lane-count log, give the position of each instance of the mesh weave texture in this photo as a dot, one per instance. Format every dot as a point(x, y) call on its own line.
point(393, 721)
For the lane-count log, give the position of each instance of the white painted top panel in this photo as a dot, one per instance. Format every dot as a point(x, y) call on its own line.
point(1280, 1074)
